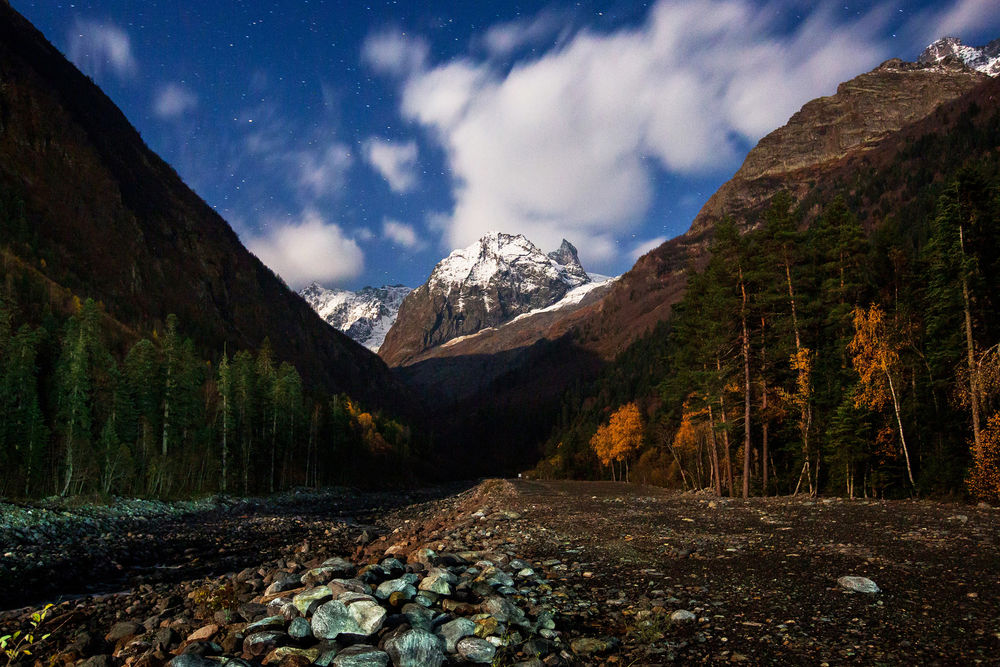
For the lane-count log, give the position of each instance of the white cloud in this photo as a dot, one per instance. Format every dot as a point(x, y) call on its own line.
point(322, 172)
point(309, 250)
point(643, 247)
point(568, 144)
point(95, 46)
point(966, 15)
point(396, 162)
point(505, 38)
point(401, 234)
point(394, 52)
point(954, 19)
point(173, 100)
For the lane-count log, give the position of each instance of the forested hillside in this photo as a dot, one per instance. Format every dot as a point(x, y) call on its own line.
point(846, 343)
point(157, 420)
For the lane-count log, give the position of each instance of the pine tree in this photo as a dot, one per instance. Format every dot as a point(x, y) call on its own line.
point(225, 388)
point(81, 349)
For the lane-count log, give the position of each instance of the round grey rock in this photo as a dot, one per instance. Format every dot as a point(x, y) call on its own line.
point(476, 650)
point(415, 648)
point(682, 616)
point(453, 631)
point(859, 585)
point(299, 629)
point(334, 618)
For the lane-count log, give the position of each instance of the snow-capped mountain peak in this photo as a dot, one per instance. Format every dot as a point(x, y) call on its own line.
point(366, 315)
point(497, 256)
point(985, 59)
point(492, 281)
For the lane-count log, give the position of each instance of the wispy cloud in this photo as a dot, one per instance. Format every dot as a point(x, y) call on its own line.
point(322, 171)
point(173, 100)
point(567, 145)
point(641, 248)
point(310, 249)
point(504, 39)
point(401, 234)
point(394, 52)
point(396, 162)
point(96, 46)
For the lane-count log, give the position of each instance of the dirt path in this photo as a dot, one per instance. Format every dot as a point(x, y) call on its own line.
point(761, 575)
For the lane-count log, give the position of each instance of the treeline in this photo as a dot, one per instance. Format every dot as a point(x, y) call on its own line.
point(157, 420)
point(822, 359)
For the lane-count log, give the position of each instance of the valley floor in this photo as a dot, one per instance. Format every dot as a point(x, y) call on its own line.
point(758, 576)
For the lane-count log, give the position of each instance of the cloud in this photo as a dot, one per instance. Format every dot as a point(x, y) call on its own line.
point(504, 39)
point(569, 144)
point(643, 247)
point(309, 250)
point(95, 46)
point(401, 234)
point(396, 162)
point(173, 100)
point(322, 172)
point(395, 53)
point(956, 19)
point(967, 15)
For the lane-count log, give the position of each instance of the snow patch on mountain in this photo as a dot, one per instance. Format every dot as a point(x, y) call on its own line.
point(499, 256)
point(985, 59)
point(366, 315)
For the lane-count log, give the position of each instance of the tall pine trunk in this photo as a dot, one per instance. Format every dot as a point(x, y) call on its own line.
point(746, 389)
point(715, 453)
point(970, 348)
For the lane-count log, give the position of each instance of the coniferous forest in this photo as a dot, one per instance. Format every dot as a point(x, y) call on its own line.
point(86, 411)
point(819, 358)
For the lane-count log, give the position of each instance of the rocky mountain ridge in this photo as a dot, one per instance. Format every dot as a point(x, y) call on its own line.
point(985, 59)
point(494, 280)
point(366, 315)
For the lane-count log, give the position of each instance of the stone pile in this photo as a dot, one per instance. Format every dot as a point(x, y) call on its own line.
point(459, 608)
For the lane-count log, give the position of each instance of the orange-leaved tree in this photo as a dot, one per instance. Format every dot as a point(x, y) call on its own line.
point(626, 433)
point(602, 446)
point(875, 355)
point(984, 475)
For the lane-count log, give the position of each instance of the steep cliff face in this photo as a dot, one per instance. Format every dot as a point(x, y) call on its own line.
point(863, 112)
point(114, 222)
point(491, 282)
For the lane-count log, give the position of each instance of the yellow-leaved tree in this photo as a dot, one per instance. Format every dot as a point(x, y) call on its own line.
point(984, 475)
point(875, 355)
point(626, 434)
point(619, 439)
point(600, 442)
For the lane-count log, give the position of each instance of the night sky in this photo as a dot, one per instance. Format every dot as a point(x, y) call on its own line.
point(357, 143)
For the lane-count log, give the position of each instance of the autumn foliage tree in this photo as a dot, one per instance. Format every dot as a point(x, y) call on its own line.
point(619, 439)
point(875, 354)
point(984, 475)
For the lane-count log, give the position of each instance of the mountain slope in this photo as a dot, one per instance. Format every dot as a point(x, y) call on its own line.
point(112, 221)
point(818, 141)
point(491, 282)
point(899, 155)
point(366, 316)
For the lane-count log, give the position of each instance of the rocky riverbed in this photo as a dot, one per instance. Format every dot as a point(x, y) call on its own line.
point(552, 573)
